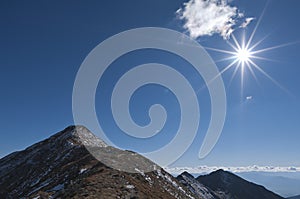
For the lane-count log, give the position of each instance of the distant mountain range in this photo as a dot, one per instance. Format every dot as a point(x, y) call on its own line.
point(283, 183)
point(295, 197)
point(224, 185)
point(62, 167)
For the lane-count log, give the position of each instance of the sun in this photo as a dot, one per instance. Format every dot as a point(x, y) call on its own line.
point(243, 55)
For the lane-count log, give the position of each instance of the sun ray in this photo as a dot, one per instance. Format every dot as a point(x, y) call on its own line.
point(233, 74)
point(243, 56)
point(257, 25)
point(225, 59)
point(220, 50)
point(242, 80)
point(275, 47)
point(224, 70)
point(238, 46)
point(220, 73)
point(228, 66)
point(252, 72)
point(269, 77)
point(262, 58)
point(231, 45)
point(259, 42)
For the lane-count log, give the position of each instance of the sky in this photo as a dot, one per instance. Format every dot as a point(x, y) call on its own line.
point(43, 44)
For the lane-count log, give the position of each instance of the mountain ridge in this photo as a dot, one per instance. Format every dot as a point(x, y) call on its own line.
point(222, 184)
point(74, 163)
point(236, 186)
point(62, 167)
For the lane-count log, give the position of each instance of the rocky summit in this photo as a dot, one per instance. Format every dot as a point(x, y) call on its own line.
point(62, 167)
point(74, 163)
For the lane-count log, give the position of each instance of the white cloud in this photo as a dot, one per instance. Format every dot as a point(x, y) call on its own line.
point(246, 22)
point(207, 17)
point(209, 169)
point(249, 97)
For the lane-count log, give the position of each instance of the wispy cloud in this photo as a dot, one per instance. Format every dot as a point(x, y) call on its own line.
point(208, 169)
point(207, 17)
point(249, 97)
point(247, 22)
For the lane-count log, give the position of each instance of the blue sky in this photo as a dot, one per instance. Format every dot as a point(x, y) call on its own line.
point(43, 44)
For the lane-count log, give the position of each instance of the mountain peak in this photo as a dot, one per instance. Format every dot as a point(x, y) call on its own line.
point(187, 174)
point(195, 187)
point(75, 163)
point(236, 186)
point(63, 166)
point(79, 135)
point(224, 176)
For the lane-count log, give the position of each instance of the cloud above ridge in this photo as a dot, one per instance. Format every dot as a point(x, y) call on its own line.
point(209, 169)
point(208, 17)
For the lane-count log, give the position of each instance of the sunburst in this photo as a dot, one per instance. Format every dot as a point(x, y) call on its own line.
point(243, 56)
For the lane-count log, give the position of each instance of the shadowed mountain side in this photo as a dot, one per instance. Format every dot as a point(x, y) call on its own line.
point(61, 167)
point(235, 187)
point(294, 197)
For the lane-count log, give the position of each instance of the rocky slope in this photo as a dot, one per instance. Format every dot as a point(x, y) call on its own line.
point(228, 185)
point(196, 187)
point(61, 167)
point(224, 185)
